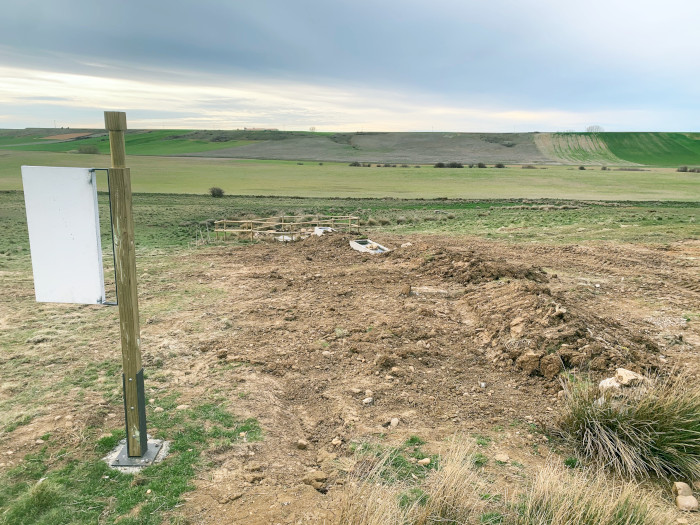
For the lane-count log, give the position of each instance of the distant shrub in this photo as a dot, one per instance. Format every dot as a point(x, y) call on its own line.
point(216, 192)
point(371, 222)
point(355, 164)
point(500, 165)
point(404, 165)
point(320, 163)
point(400, 219)
point(300, 163)
point(471, 165)
point(582, 168)
point(416, 166)
point(529, 167)
point(481, 165)
point(439, 165)
point(694, 170)
point(604, 168)
point(682, 169)
point(89, 149)
point(454, 165)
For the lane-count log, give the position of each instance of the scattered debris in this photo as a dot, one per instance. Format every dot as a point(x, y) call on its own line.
point(368, 246)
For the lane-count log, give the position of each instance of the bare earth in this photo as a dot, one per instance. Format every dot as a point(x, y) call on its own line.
point(297, 335)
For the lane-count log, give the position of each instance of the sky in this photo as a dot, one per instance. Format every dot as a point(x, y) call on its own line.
point(361, 65)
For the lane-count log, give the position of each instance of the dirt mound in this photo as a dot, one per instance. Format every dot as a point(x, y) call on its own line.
point(522, 322)
point(475, 268)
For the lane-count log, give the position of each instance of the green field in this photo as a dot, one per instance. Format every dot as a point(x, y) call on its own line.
point(664, 149)
point(137, 143)
point(311, 179)
point(612, 149)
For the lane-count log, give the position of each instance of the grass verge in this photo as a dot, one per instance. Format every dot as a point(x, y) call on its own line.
point(77, 487)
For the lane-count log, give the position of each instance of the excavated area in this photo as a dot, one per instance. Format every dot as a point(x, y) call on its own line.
point(450, 335)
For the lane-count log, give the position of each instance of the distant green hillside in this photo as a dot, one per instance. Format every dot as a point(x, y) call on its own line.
point(611, 149)
point(661, 149)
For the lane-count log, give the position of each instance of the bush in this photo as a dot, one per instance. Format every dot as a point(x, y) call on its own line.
point(455, 165)
point(216, 192)
point(354, 164)
point(481, 165)
point(582, 168)
point(682, 169)
point(89, 149)
point(500, 165)
point(604, 168)
point(439, 165)
point(529, 167)
point(656, 432)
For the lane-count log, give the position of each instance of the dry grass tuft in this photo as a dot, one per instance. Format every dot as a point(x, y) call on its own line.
point(558, 495)
point(654, 432)
point(459, 493)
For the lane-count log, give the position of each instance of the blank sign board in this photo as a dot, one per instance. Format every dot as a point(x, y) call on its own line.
point(64, 234)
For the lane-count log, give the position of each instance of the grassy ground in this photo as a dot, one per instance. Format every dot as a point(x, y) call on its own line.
point(249, 177)
point(661, 149)
point(162, 142)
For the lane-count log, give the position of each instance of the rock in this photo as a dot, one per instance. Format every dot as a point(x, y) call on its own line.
point(159, 409)
point(316, 478)
point(228, 498)
point(502, 458)
point(368, 393)
point(182, 407)
point(628, 378)
point(302, 444)
point(681, 489)
point(254, 477)
point(39, 442)
point(687, 503)
point(529, 362)
point(405, 290)
point(550, 366)
point(326, 353)
point(336, 442)
point(696, 485)
point(368, 401)
point(609, 384)
point(482, 384)
point(355, 390)
point(423, 462)
point(406, 244)
point(394, 422)
point(222, 354)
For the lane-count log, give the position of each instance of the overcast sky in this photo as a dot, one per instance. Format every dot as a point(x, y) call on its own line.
point(360, 65)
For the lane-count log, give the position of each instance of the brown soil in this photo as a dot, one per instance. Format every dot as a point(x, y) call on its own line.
point(66, 136)
point(315, 325)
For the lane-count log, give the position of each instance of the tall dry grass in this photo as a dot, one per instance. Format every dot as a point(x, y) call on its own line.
point(455, 494)
point(654, 431)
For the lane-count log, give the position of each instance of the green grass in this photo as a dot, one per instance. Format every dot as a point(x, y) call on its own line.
point(396, 464)
point(77, 487)
point(657, 149)
point(288, 178)
point(162, 142)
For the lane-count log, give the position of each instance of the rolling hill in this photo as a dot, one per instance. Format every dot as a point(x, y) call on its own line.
point(614, 149)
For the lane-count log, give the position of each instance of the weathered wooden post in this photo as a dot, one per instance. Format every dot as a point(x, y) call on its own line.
point(127, 298)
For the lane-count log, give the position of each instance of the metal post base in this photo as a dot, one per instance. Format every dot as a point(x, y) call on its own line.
point(152, 455)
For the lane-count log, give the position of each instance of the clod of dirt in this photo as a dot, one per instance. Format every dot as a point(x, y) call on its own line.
point(471, 268)
point(316, 478)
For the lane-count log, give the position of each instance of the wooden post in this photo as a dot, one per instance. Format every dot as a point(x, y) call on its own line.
point(125, 266)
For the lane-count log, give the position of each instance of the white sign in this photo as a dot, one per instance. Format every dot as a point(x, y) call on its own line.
point(64, 234)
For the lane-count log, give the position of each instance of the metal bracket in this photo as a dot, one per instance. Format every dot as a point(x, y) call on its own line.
point(124, 460)
point(141, 399)
point(111, 232)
